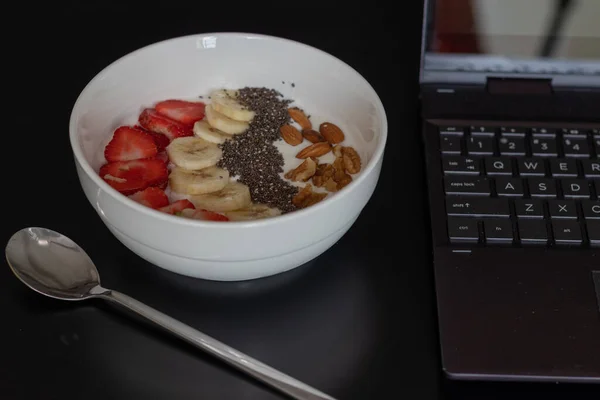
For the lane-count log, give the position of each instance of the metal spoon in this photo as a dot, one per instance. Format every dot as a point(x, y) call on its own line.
point(55, 266)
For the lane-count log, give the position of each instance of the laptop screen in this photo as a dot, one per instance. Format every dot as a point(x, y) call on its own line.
point(465, 41)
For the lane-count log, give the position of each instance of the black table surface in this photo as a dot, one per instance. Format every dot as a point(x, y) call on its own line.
point(359, 322)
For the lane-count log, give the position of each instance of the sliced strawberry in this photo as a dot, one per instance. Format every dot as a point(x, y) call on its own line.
point(152, 197)
point(177, 206)
point(186, 112)
point(163, 156)
point(129, 177)
point(129, 143)
point(206, 215)
point(158, 123)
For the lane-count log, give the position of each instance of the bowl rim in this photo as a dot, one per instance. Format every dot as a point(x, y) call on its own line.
point(301, 213)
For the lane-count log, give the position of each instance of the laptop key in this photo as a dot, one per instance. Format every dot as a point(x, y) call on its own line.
point(480, 145)
point(543, 132)
point(543, 147)
point(519, 132)
point(498, 231)
point(460, 165)
point(483, 131)
point(498, 166)
point(597, 145)
point(467, 185)
point(593, 231)
point(529, 208)
point(463, 230)
point(562, 209)
point(567, 232)
point(591, 209)
point(477, 207)
point(512, 146)
point(576, 147)
point(591, 168)
point(563, 167)
point(542, 187)
point(509, 187)
point(574, 132)
point(452, 130)
point(531, 167)
point(450, 144)
point(533, 231)
point(575, 188)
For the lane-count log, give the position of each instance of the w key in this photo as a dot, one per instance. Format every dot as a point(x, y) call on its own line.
point(467, 185)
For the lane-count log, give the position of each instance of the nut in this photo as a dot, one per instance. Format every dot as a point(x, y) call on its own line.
point(313, 136)
point(344, 182)
point(331, 185)
point(303, 172)
point(297, 115)
point(331, 132)
point(351, 160)
point(314, 150)
point(306, 197)
point(337, 150)
point(291, 135)
point(323, 174)
point(339, 169)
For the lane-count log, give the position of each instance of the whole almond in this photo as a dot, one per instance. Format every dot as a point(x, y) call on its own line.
point(291, 135)
point(312, 136)
point(297, 115)
point(331, 132)
point(314, 150)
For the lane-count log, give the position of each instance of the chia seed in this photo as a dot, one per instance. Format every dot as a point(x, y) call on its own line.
point(252, 155)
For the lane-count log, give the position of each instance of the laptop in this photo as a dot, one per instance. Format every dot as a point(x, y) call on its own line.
point(510, 107)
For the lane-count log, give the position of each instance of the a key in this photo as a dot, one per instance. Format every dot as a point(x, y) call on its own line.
point(467, 185)
point(450, 144)
point(593, 231)
point(498, 166)
point(463, 230)
point(591, 209)
point(591, 168)
point(531, 167)
point(563, 167)
point(519, 132)
point(529, 208)
point(509, 187)
point(574, 132)
point(567, 232)
point(543, 147)
point(575, 188)
point(597, 145)
point(477, 207)
point(562, 209)
point(480, 145)
point(483, 130)
point(511, 146)
point(498, 231)
point(542, 187)
point(543, 132)
point(533, 231)
point(452, 130)
point(460, 165)
point(576, 147)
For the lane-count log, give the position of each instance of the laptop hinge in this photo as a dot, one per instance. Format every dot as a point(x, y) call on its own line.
point(519, 86)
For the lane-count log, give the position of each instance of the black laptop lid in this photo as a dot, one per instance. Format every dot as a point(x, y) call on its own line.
point(469, 41)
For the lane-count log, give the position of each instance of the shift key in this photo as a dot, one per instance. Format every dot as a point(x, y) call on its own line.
point(467, 185)
point(477, 207)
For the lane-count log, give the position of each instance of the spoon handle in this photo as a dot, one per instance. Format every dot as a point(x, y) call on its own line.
point(255, 368)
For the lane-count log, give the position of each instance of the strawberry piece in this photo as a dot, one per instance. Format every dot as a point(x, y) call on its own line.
point(163, 156)
point(132, 176)
point(158, 123)
point(161, 140)
point(206, 215)
point(186, 112)
point(177, 206)
point(152, 197)
point(129, 143)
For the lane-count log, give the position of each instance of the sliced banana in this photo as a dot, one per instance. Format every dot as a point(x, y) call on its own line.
point(207, 180)
point(233, 196)
point(224, 123)
point(203, 130)
point(224, 101)
point(193, 153)
point(252, 212)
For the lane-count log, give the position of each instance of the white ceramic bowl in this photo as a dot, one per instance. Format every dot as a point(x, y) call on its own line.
point(190, 66)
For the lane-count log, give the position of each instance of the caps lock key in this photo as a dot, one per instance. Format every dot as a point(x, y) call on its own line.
point(467, 185)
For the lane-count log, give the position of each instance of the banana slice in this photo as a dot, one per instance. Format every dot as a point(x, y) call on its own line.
point(193, 153)
point(223, 123)
point(224, 101)
point(207, 180)
point(203, 130)
point(233, 196)
point(252, 212)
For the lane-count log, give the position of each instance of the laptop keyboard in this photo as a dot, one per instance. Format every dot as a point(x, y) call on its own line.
point(522, 186)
